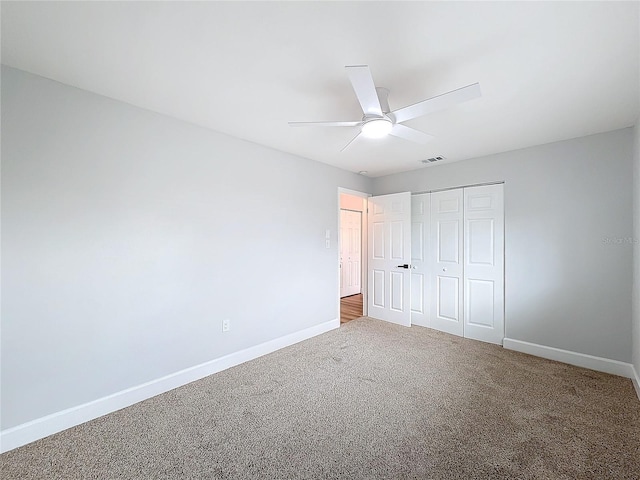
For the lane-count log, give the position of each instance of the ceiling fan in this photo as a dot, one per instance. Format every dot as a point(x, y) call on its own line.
point(379, 121)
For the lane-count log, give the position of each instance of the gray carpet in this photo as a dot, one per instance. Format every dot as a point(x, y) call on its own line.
point(369, 400)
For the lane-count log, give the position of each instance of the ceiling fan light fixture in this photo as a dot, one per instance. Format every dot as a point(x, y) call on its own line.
point(377, 128)
point(379, 121)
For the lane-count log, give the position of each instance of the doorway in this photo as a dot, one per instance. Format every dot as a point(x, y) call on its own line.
point(352, 254)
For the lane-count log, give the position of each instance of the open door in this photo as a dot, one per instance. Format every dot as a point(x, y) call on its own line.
point(389, 257)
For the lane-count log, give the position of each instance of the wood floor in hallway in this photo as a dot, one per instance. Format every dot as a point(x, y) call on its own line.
point(350, 307)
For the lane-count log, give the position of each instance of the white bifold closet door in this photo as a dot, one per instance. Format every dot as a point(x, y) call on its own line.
point(484, 263)
point(420, 272)
point(446, 261)
point(464, 291)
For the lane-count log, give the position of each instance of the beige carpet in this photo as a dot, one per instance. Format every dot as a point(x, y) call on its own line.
point(369, 400)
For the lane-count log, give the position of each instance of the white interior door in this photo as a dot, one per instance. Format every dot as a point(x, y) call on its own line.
point(350, 252)
point(344, 274)
point(389, 256)
point(446, 261)
point(420, 254)
point(484, 263)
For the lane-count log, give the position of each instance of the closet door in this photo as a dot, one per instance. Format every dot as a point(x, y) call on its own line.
point(446, 261)
point(484, 263)
point(420, 253)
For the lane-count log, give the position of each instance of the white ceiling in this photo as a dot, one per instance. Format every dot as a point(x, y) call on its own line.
point(548, 71)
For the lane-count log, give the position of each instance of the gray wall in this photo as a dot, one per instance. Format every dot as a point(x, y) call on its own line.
point(568, 224)
point(128, 236)
point(636, 248)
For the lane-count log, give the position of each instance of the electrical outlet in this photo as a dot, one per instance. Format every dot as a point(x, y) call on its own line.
point(226, 325)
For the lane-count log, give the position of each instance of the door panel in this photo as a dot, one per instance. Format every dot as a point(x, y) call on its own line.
point(480, 307)
point(420, 274)
point(378, 288)
point(448, 299)
point(377, 237)
point(417, 294)
point(397, 290)
point(446, 252)
point(390, 247)
point(448, 241)
point(484, 263)
point(397, 242)
point(481, 236)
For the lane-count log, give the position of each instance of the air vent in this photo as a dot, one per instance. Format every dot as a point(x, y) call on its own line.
point(431, 160)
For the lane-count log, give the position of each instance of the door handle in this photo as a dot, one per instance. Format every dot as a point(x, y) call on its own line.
point(406, 265)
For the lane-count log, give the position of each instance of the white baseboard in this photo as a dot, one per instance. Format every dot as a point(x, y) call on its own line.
point(42, 427)
point(636, 381)
point(583, 360)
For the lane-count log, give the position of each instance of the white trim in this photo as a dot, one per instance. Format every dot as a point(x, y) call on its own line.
point(36, 429)
point(353, 193)
point(636, 381)
point(583, 360)
point(499, 182)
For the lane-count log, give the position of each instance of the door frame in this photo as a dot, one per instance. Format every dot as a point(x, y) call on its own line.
point(363, 248)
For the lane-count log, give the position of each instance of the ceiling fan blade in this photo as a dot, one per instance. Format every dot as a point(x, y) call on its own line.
point(362, 82)
point(410, 134)
point(324, 124)
point(438, 103)
point(350, 142)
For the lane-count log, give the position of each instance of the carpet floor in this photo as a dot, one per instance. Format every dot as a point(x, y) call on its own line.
point(369, 400)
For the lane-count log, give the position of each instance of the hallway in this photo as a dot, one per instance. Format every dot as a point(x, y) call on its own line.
point(350, 308)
